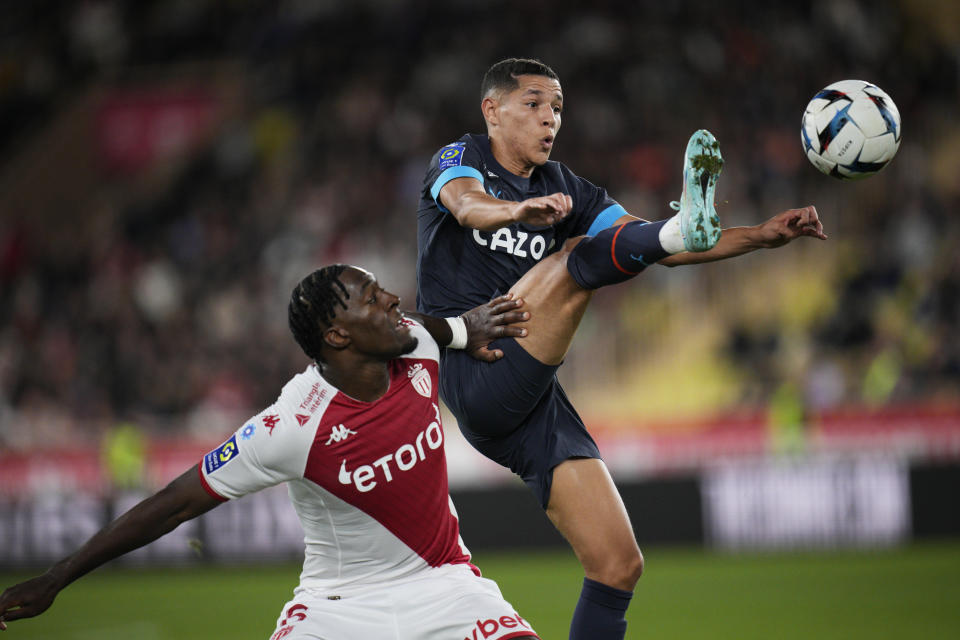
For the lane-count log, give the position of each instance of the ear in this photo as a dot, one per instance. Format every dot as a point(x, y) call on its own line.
point(337, 337)
point(489, 106)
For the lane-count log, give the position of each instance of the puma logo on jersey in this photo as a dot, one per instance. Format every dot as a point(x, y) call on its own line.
point(340, 432)
point(366, 476)
point(521, 245)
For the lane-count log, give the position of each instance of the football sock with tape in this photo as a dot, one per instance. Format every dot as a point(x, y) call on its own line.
point(600, 612)
point(616, 254)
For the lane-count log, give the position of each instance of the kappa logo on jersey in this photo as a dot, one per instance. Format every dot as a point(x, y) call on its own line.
point(521, 245)
point(271, 421)
point(420, 379)
point(340, 432)
point(500, 628)
point(302, 419)
point(406, 457)
point(221, 455)
point(451, 155)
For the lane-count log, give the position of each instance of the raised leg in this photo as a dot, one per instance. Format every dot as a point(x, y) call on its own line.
point(556, 304)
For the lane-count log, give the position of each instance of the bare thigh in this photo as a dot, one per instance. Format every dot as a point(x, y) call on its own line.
point(556, 304)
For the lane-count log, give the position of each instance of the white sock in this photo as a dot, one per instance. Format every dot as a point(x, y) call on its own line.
point(671, 238)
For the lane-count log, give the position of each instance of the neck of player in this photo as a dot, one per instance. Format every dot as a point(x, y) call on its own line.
point(510, 159)
point(363, 380)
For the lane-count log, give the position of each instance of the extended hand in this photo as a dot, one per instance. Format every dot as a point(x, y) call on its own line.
point(789, 225)
point(490, 321)
point(543, 211)
point(27, 599)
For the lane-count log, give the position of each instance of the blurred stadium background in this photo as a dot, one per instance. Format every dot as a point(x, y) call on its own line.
point(170, 169)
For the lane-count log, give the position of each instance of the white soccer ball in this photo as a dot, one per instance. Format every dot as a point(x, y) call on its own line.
point(850, 129)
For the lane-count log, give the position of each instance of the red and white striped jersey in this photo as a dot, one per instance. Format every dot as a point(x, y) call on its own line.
point(367, 479)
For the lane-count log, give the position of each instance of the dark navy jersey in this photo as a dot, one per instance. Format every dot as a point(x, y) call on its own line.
point(459, 268)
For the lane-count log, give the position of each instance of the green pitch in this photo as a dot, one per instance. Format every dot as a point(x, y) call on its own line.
point(904, 593)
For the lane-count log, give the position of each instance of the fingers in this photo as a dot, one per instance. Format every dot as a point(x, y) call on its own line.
point(548, 209)
point(505, 331)
point(802, 222)
point(555, 206)
point(487, 355)
point(816, 223)
point(504, 304)
point(15, 614)
point(6, 602)
point(510, 315)
point(503, 310)
point(561, 203)
point(810, 224)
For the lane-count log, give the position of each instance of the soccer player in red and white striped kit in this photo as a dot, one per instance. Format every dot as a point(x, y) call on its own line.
point(358, 440)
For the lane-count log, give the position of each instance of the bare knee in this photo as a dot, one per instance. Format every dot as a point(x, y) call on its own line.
point(617, 568)
point(587, 509)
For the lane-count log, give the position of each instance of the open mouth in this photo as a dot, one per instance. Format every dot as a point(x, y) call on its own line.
point(547, 142)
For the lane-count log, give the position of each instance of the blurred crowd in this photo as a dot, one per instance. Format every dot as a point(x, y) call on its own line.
point(159, 297)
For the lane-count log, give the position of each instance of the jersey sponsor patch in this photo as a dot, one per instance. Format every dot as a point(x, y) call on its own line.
point(451, 156)
point(366, 476)
point(221, 455)
point(500, 628)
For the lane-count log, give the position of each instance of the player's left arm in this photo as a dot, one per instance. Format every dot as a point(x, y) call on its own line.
point(775, 232)
point(483, 325)
point(181, 500)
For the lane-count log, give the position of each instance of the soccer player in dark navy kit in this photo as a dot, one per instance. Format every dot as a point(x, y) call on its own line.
point(497, 215)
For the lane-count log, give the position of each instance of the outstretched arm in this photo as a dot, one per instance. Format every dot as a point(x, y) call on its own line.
point(775, 232)
point(181, 500)
point(483, 324)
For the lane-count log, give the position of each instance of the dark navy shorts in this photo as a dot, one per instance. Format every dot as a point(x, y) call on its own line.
point(514, 412)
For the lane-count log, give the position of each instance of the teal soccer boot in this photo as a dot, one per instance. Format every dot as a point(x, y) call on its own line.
point(699, 222)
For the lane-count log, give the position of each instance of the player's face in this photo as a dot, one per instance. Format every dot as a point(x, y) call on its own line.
point(528, 119)
point(373, 317)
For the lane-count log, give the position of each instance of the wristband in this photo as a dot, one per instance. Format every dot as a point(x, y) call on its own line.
point(459, 330)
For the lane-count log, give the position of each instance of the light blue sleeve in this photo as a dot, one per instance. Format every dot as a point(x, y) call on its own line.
point(447, 176)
